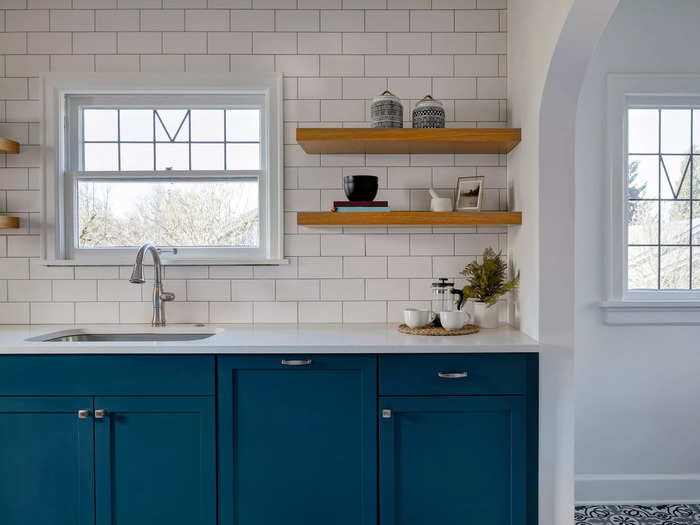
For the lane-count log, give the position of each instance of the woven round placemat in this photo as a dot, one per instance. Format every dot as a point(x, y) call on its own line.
point(438, 330)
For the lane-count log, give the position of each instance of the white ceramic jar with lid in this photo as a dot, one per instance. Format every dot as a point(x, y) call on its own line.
point(386, 111)
point(428, 113)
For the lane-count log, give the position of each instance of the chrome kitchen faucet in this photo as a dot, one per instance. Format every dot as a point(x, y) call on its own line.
point(138, 277)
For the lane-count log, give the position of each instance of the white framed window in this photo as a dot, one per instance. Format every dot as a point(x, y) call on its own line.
point(177, 160)
point(653, 243)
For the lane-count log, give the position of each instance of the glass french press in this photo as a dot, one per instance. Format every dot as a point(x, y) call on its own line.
point(444, 299)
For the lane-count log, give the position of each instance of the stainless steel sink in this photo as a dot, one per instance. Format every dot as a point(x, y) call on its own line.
point(82, 337)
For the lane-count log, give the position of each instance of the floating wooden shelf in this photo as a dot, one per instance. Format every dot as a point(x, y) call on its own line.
point(410, 218)
point(408, 140)
point(9, 222)
point(8, 146)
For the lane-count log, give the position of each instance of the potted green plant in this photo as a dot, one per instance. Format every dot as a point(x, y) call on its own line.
point(487, 283)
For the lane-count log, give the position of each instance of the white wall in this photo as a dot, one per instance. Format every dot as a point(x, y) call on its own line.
point(637, 387)
point(336, 55)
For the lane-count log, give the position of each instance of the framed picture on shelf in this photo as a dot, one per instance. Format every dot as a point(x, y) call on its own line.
point(469, 193)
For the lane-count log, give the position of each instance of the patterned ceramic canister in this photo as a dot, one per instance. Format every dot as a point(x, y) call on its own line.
point(387, 111)
point(428, 113)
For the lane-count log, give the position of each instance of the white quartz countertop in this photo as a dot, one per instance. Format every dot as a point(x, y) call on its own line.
point(264, 339)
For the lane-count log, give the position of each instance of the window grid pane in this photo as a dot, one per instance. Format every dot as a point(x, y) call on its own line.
point(663, 194)
point(125, 133)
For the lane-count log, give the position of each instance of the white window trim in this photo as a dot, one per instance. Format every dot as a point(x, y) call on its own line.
point(56, 86)
point(623, 306)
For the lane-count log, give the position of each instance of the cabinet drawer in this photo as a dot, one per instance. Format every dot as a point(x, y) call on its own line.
point(407, 375)
point(107, 375)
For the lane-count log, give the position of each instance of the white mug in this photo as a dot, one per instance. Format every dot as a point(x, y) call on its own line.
point(451, 321)
point(415, 318)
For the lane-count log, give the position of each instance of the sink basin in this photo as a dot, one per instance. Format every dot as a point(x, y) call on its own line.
point(83, 337)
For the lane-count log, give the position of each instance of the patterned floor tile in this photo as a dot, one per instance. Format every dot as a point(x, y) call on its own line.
point(637, 515)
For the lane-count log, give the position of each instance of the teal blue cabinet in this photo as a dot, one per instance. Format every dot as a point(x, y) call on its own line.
point(452, 460)
point(297, 440)
point(80, 454)
point(46, 461)
point(155, 461)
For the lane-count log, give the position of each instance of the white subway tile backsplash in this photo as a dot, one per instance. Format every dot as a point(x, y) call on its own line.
point(318, 43)
point(432, 20)
point(97, 313)
point(342, 244)
point(208, 290)
point(252, 290)
point(275, 312)
point(342, 289)
point(239, 312)
point(52, 313)
point(335, 56)
point(320, 312)
point(364, 312)
point(297, 290)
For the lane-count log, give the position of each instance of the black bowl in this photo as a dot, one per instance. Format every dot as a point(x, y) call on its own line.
point(360, 187)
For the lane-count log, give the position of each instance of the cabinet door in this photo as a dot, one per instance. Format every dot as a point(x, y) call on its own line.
point(46, 461)
point(297, 440)
point(155, 461)
point(452, 460)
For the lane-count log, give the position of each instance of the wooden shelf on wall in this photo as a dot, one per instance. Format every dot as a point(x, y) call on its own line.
point(9, 222)
point(410, 218)
point(408, 140)
point(8, 146)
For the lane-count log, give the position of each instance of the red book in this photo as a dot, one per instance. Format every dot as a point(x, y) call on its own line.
point(365, 204)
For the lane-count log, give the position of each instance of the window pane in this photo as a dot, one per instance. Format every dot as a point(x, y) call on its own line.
point(696, 268)
point(642, 267)
point(136, 124)
point(643, 177)
point(172, 125)
point(643, 130)
point(243, 125)
point(243, 156)
point(696, 131)
point(675, 131)
point(696, 226)
point(675, 223)
point(207, 156)
point(675, 268)
point(180, 213)
point(207, 125)
point(100, 157)
point(100, 124)
point(675, 176)
point(137, 157)
point(172, 156)
point(643, 222)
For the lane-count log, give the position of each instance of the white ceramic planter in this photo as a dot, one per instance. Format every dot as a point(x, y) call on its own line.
point(484, 316)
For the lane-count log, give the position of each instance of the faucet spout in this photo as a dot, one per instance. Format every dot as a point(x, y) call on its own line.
point(138, 277)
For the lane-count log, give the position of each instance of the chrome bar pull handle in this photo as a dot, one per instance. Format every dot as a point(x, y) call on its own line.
point(83, 414)
point(100, 414)
point(452, 375)
point(296, 362)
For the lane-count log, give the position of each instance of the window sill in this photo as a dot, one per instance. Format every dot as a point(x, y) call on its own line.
point(120, 261)
point(651, 312)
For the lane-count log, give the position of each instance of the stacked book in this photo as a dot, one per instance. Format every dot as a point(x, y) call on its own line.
point(358, 206)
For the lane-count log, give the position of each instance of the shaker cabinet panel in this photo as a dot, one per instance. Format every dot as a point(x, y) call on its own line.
point(452, 460)
point(155, 461)
point(46, 461)
point(297, 440)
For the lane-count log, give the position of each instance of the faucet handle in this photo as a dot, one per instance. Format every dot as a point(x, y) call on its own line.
point(167, 296)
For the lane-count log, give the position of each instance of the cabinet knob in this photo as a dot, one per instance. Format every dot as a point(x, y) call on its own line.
point(452, 375)
point(83, 414)
point(296, 362)
point(386, 413)
point(100, 414)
